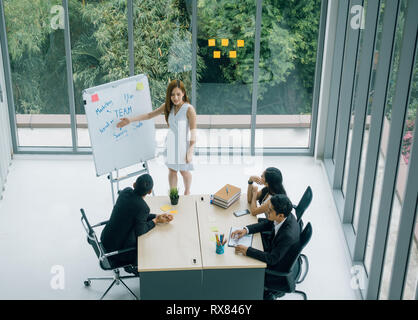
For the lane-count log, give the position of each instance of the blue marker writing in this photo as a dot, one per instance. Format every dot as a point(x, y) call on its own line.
point(100, 109)
point(121, 112)
point(105, 127)
point(117, 135)
point(127, 97)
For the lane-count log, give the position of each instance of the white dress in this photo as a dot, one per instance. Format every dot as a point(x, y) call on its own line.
point(178, 140)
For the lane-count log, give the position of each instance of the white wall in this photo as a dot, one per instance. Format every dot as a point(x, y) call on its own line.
point(5, 135)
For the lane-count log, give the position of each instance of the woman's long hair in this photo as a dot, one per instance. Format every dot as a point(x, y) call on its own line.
point(168, 104)
point(274, 178)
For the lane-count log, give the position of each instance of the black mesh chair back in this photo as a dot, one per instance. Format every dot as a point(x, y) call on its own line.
point(293, 276)
point(305, 236)
point(295, 252)
point(304, 203)
point(95, 243)
point(104, 261)
point(295, 268)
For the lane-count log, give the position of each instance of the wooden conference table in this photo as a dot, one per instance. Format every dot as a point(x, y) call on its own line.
point(177, 260)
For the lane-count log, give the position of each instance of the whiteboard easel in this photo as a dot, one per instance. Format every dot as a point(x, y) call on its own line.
point(116, 148)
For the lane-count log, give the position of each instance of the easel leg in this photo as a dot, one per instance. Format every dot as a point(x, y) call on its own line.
point(117, 183)
point(118, 179)
point(110, 177)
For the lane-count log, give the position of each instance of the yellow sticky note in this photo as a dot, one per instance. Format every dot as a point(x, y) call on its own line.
point(211, 42)
point(240, 43)
point(232, 54)
point(165, 208)
point(212, 238)
point(216, 54)
point(214, 229)
point(224, 42)
point(139, 86)
point(173, 211)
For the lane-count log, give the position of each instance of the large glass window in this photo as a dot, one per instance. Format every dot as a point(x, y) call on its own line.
point(225, 44)
point(384, 139)
point(411, 280)
point(35, 37)
point(163, 44)
point(99, 47)
point(288, 46)
point(341, 13)
point(343, 70)
point(400, 186)
point(163, 49)
point(368, 119)
point(410, 286)
point(353, 103)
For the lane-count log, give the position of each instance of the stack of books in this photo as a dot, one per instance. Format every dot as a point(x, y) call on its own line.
point(226, 196)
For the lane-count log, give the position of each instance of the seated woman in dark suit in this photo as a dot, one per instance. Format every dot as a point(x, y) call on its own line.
point(272, 180)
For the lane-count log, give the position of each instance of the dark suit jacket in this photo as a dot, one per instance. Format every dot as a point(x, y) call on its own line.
point(275, 254)
point(130, 218)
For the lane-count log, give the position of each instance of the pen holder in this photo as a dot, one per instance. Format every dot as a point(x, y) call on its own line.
point(220, 248)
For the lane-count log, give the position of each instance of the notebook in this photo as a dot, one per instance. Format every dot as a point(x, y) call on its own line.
point(227, 195)
point(226, 204)
point(246, 240)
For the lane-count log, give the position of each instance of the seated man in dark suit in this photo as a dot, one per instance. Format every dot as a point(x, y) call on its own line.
point(285, 234)
point(130, 218)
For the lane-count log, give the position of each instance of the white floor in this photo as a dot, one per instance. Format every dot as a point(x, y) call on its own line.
point(40, 229)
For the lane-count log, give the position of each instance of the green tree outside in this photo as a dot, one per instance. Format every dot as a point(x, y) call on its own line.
point(162, 34)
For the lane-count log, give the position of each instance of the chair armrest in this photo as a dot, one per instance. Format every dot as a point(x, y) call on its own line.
point(114, 253)
point(100, 224)
point(307, 268)
point(277, 273)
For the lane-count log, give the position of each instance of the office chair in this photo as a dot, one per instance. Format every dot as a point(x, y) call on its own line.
point(104, 261)
point(303, 204)
point(288, 280)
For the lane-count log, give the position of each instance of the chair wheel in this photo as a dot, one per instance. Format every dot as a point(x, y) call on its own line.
point(87, 283)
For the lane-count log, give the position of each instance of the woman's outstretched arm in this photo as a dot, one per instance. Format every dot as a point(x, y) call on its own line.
point(146, 116)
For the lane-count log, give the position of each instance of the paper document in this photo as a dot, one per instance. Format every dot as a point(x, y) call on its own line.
point(166, 208)
point(245, 240)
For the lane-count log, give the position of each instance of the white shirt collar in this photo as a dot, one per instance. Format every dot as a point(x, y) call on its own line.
point(277, 226)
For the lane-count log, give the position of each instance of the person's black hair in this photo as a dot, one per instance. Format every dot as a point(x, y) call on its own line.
point(281, 204)
point(143, 184)
point(274, 178)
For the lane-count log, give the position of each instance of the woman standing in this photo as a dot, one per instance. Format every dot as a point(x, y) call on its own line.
point(272, 180)
point(181, 118)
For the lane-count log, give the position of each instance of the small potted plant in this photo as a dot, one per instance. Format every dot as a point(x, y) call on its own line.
point(174, 196)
